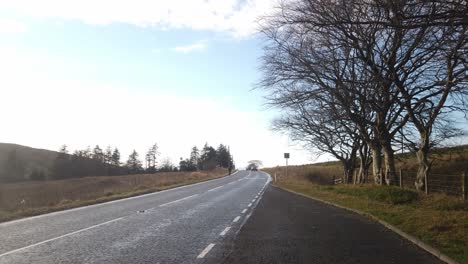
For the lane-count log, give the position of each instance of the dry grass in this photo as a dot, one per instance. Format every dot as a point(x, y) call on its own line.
point(439, 220)
point(31, 198)
point(319, 173)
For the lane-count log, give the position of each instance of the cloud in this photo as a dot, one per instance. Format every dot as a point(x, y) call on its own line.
point(234, 16)
point(197, 46)
point(10, 26)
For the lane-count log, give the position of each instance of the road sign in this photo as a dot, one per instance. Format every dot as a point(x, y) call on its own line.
point(286, 155)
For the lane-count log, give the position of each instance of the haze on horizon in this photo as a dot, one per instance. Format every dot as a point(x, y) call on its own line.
point(134, 73)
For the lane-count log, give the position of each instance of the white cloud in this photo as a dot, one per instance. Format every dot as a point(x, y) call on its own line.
point(197, 46)
point(9, 26)
point(235, 16)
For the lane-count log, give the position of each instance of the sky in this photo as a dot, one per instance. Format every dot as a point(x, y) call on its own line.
point(133, 73)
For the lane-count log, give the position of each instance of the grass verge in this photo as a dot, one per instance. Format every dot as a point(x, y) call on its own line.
point(18, 200)
point(438, 220)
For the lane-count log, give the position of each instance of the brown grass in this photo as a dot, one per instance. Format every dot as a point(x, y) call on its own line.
point(31, 198)
point(319, 173)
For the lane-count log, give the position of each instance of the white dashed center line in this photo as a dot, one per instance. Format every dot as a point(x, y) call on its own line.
point(185, 198)
point(206, 250)
point(225, 231)
point(59, 237)
point(236, 219)
point(250, 204)
point(243, 211)
point(215, 188)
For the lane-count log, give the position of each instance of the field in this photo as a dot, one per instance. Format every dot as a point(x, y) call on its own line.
point(438, 219)
point(36, 197)
point(448, 165)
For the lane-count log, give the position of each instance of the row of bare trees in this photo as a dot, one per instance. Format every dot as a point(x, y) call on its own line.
point(357, 78)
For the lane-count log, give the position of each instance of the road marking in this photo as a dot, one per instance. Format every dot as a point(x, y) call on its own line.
point(59, 237)
point(250, 204)
point(225, 231)
point(243, 211)
point(214, 188)
point(253, 200)
point(236, 219)
point(185, 198)
point(206, 250)
point(114, 201)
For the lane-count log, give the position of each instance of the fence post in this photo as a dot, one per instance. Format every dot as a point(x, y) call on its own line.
point(464, 185)
point(401, 178)
point(425, 183)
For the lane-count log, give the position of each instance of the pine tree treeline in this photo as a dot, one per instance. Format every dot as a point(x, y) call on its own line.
point(207, 159)
point(99, 162)
point(87, 162)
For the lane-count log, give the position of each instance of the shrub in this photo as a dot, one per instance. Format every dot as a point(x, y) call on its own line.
point(393, 195)
point(458, 206)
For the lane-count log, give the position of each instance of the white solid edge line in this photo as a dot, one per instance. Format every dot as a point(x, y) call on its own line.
point(59, 237)
point(236, 219)
point(250, 204)
point(206, 250)
point(111, 202)
point(225, 231)
point(185, 198)
point(243, 211)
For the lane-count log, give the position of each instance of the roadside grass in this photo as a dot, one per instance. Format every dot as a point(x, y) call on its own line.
point(438, 220)
point(24, 199)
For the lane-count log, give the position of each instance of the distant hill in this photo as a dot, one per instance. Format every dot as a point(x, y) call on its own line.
point(19, 162)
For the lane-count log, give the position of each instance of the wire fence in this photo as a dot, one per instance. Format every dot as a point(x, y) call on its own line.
point(451, 184)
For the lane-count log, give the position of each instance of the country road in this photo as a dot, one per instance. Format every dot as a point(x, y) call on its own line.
point(235, 219)
point(180, 225)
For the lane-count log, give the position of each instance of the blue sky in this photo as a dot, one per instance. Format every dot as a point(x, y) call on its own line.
point(132, 73)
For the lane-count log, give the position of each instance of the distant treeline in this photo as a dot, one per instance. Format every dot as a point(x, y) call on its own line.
point(99, 162)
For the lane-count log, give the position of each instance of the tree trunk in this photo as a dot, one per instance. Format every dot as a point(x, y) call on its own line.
point(390, 171)
point(348, 168)
point(377, 163)
point(363, 164)
point(424, 166)
point(360, 174)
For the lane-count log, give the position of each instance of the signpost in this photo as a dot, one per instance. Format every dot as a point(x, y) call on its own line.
point(286, 156)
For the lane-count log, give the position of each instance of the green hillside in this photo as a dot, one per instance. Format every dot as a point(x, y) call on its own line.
point(19, 162)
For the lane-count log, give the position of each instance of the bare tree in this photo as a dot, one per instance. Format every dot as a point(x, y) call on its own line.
point(322, 128)
point(385, 62)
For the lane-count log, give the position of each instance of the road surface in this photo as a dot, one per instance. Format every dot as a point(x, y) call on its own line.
point(235, 219)
point(288, 228)
point(180, 225)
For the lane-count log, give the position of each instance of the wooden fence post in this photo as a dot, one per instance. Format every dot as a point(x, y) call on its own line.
point(401, 178)
point(425, 183)
point(464, 185)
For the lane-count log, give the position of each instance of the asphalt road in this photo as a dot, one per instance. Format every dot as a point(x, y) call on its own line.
point(235, 219)
point(288, 228)
point(181, 225)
